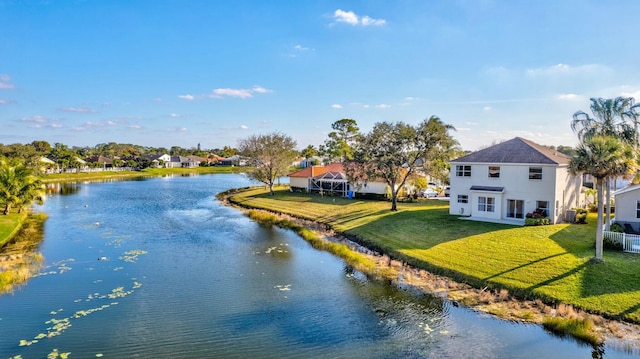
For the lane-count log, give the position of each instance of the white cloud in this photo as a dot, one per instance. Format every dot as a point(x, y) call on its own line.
point(240, 93)
point(40, 122)
point(135, 127)
point(383, 106)
point(35, 119)
point(569, 97)
point(6, 102)
point(5, 82)
point(187, 97)
point(336, 105)
point(174, 115)
point(366, 21)
point(349, 17)
point(260, 89)
point(77, 109)
point(564, 69)
point(177, 129)
point(468, 123)
point(487, 108)
point(631, 93)
point(244, 127)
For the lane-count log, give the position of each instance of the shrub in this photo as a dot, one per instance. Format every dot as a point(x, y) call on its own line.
point(609, 243)
point(616, 227)
point(581, 216)
point(536, 221)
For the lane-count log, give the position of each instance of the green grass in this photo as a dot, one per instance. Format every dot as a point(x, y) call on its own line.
point(547, 262)
point(96, 176)
point(10, 224)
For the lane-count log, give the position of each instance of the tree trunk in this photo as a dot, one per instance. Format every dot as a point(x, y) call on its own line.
point(7, 209)
point(607, 220)
point(271, 188)
point(599, 244)
point(394, 198)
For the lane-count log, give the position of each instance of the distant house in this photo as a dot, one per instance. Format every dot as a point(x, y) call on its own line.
point(627, 212)
point(101, 161)
point(198, 159)
point(331, 179)
point(181, 162)
point(158, 160)
point(234, 160)
point(506, 181)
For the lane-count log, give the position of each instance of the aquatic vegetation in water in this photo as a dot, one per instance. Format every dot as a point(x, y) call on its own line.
point(55, 354)
point(62, 267)
point(57, 326)
point(132, 255)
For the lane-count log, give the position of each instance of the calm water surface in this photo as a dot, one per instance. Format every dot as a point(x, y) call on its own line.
point(157, 268)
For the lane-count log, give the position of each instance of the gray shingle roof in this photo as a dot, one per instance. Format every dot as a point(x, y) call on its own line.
point(516, 150)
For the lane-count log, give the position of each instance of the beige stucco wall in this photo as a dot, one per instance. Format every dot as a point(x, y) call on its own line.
point(302, 182)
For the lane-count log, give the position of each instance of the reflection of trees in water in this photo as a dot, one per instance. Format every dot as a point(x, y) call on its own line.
point(64, 188)
point(20, 258)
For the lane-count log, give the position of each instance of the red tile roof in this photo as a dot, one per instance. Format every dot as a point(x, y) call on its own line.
point(317, 170)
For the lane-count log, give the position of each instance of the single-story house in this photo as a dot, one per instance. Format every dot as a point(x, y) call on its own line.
point(234, 160)
point(101, 160)
point(506, 181)
point(627, 212)
point(331, 178)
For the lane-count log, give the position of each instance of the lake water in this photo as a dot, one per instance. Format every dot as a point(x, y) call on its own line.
point(157, 268)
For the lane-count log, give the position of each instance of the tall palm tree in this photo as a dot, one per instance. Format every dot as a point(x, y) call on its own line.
point(18, 185)
point(602, 157)
point(617, 117)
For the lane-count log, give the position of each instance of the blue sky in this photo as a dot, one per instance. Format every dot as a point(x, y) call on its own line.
point(178, 73)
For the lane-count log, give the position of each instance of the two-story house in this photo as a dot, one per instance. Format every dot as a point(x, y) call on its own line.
point(506, 181)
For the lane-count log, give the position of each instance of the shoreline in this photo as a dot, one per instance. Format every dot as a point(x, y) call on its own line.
point(498, 303)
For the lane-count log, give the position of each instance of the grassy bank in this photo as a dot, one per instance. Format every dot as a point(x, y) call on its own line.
point(149, 172)
point(19, 258)
point(10, 225)
point(547, 262)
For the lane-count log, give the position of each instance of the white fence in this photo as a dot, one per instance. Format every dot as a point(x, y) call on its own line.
point(630, 242)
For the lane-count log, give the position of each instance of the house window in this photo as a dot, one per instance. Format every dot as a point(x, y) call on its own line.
point(637, 209)
point(543, 206)
point(486, 204)
point(463, 198)
point(463, 171)
point(494, 172)
point(535, 173)
point(515, 208)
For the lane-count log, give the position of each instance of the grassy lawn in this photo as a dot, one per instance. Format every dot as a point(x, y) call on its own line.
point(550, 262)
point(9, 224)
point(88, 176)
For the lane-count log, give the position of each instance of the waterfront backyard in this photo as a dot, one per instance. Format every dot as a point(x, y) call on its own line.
point(547, 262)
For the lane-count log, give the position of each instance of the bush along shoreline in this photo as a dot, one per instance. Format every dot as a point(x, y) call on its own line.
point(408, 272)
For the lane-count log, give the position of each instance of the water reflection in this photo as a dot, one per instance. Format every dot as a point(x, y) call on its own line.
point(64, 188)
point(213, 284)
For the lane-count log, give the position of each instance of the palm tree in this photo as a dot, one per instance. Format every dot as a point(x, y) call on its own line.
point(617, 117)
point(602, 157)
point(18, 185)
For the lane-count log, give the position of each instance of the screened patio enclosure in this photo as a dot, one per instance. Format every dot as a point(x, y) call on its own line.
point(334, 183)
